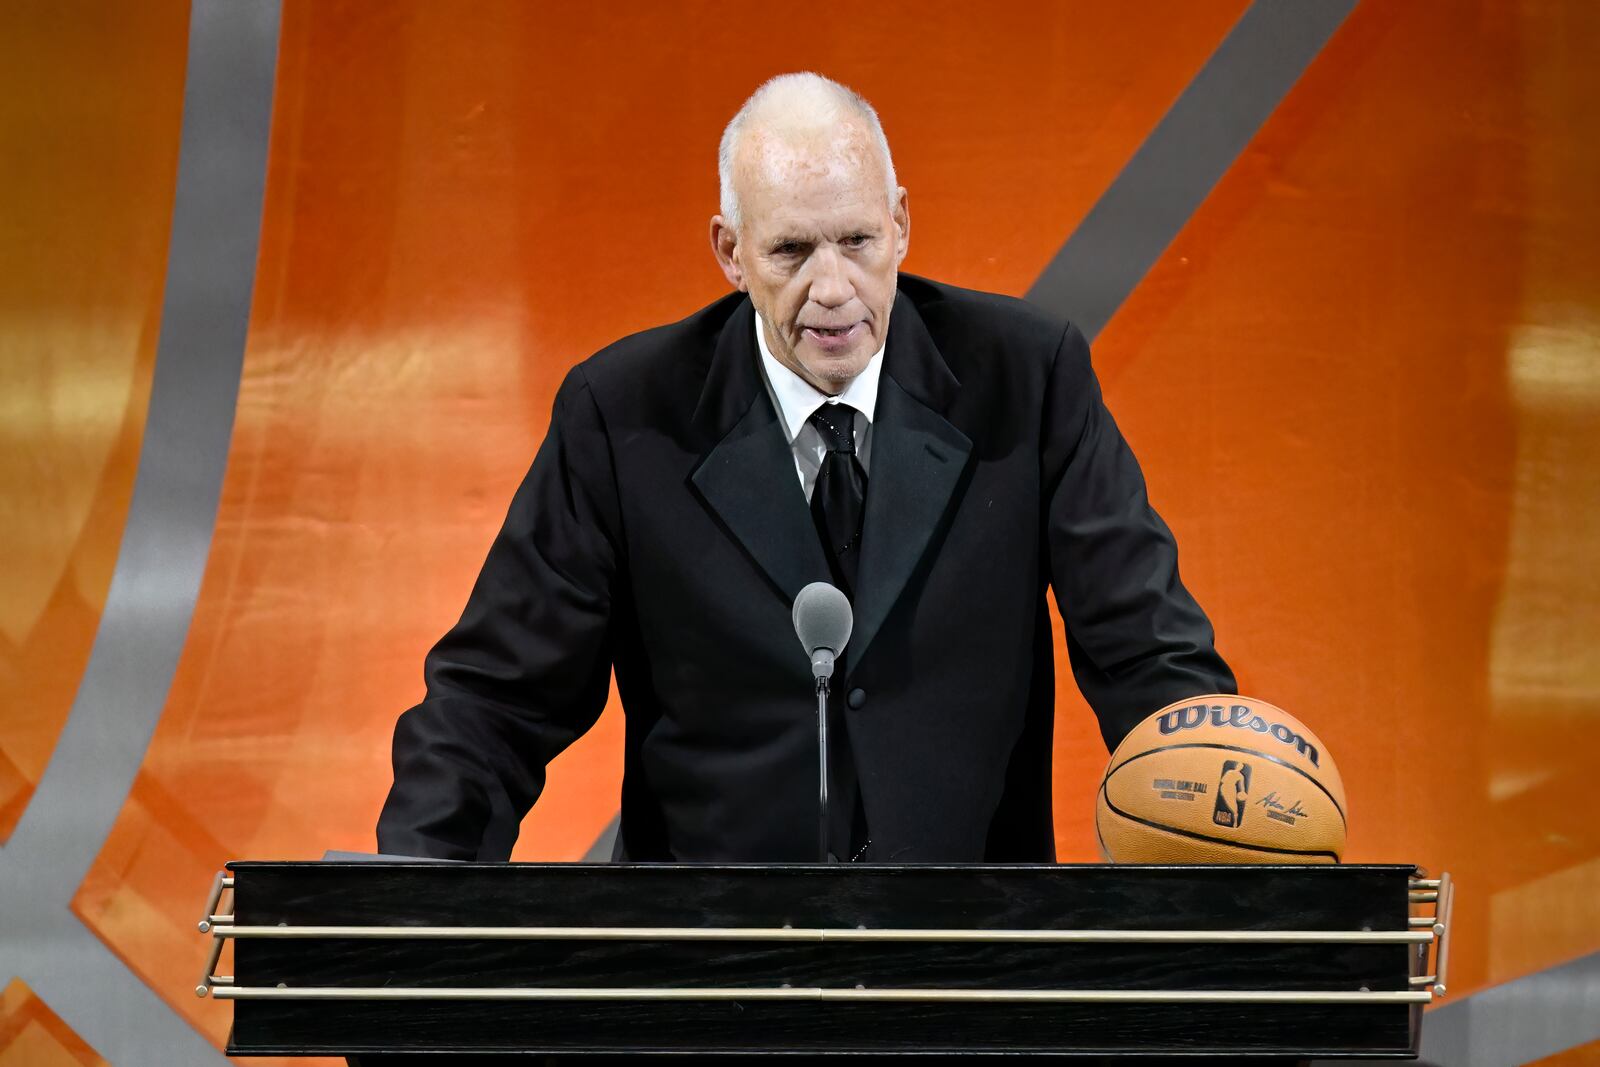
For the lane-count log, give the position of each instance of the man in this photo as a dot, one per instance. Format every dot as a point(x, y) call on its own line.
point(941, 455)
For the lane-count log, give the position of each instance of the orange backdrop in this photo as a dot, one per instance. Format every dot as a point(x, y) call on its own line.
point(1363, 383)
point(91, 98)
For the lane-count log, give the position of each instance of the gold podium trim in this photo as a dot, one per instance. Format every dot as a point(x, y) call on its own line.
point(1423, 931)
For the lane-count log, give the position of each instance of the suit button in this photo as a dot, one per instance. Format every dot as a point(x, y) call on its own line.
point(857, 698)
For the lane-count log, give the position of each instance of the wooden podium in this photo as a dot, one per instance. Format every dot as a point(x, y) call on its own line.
point(371, 958)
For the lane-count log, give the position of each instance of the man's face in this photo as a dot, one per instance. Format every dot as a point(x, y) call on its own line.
point(818, 248)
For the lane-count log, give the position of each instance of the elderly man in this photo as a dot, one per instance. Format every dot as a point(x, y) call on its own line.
point(941, 455)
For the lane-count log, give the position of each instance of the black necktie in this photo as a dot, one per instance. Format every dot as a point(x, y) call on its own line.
point(839, 497)
point(837, 502)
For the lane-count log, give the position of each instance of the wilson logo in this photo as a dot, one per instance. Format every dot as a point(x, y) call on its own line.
point(1239, 717)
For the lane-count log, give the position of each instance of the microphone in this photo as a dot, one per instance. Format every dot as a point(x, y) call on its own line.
point(823, 620)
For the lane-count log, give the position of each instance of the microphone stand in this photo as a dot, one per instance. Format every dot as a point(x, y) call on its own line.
point(822, 668)
point(822, 621)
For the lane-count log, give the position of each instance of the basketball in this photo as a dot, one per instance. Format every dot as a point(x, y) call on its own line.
point(1221, 779)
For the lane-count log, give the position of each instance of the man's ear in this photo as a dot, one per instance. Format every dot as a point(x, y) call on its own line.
point(902, 221)
point(725, 246)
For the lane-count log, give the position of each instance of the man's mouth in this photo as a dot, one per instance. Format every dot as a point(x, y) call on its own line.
point(832, 338)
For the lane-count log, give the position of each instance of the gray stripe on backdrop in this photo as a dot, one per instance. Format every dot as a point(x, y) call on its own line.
point(216, 225)
point(1182, 159)
point(601, 850)
point(1522, 1021)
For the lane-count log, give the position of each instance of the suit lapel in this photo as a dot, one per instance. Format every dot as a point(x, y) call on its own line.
point(748, 478)
point(917, 462)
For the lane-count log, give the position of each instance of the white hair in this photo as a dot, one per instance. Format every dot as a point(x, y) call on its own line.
point(798, 101)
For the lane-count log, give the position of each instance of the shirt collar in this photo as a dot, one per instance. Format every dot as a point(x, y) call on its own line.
point(797, 398)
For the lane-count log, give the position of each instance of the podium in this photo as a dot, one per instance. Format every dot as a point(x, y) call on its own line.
point(1257, 961)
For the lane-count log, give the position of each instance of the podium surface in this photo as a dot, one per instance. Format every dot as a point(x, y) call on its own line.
point(1257, 961)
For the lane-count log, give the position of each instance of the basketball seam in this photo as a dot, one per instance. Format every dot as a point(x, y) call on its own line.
point(1099, 838)
point(1343, 822)
point(1216, 840)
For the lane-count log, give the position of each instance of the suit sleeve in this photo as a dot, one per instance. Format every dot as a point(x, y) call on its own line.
point(1136, 638)
point(527, 669)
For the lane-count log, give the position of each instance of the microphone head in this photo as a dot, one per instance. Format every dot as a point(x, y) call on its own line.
point(822, 618)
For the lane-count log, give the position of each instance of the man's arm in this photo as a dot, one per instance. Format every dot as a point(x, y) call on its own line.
point(1136, 638)
point(527, 669)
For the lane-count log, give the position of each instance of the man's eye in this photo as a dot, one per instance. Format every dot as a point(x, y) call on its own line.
point(856, 240)
point(788, 248)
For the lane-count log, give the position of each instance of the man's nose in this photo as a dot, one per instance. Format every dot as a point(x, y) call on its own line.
point(830, 282)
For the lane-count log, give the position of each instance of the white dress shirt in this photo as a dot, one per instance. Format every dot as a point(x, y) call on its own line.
point(795, 399)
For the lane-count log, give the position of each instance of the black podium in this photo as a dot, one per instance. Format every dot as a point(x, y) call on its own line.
point(1260, 961)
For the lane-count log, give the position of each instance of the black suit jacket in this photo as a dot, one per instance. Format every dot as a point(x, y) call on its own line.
point(662, 531)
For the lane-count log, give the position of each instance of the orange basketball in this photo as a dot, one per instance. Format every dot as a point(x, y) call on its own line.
point(1221, 779)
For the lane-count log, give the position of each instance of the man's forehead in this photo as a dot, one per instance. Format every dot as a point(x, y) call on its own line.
point(810, 210)
point(778, 156)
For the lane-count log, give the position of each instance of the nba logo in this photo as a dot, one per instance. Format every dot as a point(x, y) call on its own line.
point(1233, 792)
